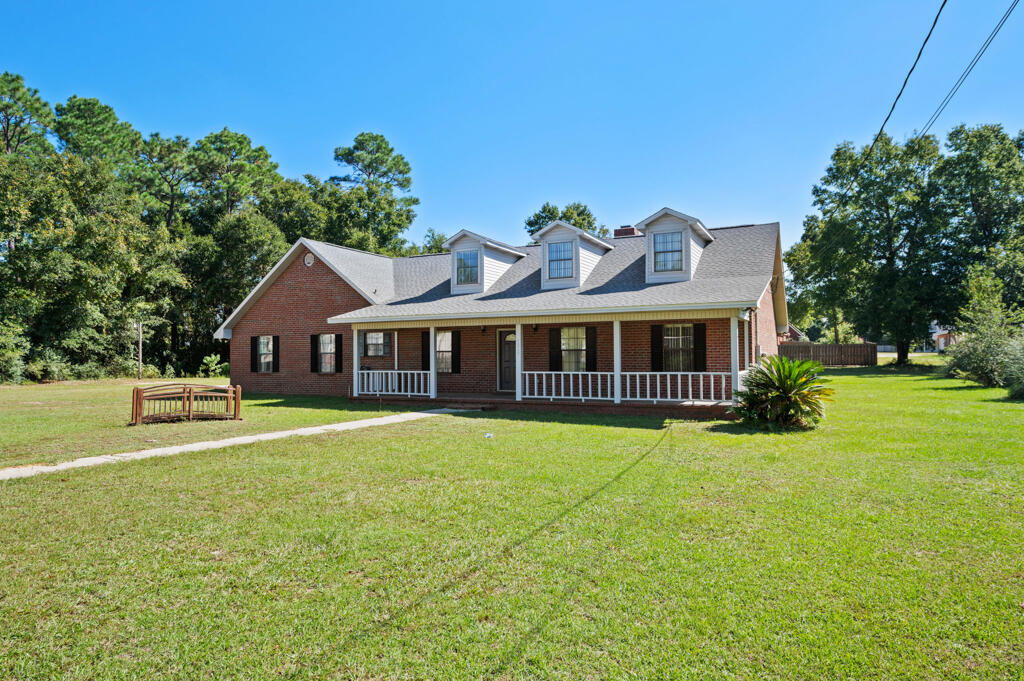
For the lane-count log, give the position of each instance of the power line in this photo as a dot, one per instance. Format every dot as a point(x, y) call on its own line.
point(905, 81)
point(967, 71)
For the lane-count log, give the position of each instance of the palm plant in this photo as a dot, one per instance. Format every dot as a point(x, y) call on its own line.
point(780, 392)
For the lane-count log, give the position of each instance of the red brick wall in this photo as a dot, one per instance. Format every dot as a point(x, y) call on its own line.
point(294, 307)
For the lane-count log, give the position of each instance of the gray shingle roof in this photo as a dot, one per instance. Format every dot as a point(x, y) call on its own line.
point(734, 269)
point(372, 274)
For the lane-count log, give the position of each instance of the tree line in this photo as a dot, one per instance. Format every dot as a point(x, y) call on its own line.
point(102, 227)
point(902, 229)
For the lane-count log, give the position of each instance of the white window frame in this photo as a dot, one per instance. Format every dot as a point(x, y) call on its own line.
point(467, 251)
point(265, 354)
point(570, 245)
point(370, 347)
point(577, 334)
point(681, 251)
point(669, 335)
point(332, 352)
point(444, 355)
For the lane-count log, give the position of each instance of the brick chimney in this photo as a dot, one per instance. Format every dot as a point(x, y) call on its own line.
point(626, 230)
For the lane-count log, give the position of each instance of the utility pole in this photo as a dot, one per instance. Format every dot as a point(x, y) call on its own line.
point(140, 350)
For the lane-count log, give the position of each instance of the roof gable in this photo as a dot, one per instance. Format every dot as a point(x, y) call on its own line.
point(695, 224)
point(327, 255)
point(580, 233)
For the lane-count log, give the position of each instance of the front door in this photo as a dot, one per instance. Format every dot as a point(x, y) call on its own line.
point(506, 360)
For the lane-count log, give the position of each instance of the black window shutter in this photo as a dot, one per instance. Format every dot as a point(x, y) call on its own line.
point(361, 339)
point(657, 347)
point(254, 354)
point(314, 353)
point(425, 351)
point(338, 355)
point(700, 347)
point(591, 348)
point(387, 343)
point(277, 354)
point(554, 349)
point(456, 352)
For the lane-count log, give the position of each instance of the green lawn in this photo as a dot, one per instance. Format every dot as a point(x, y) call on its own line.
point(56, 422)
point(888, 544)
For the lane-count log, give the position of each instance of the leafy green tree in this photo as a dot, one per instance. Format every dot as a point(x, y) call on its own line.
point(989, 328)
point(981, 190)
point(90, 129)
point(222, 267)
point(879, 237)
point(433, 241)
point(25, 117)
point(84, 264)
point(294, 207)
point(229, 172)
point(373, 161)
point(162, 173)
point(815, 290)
point(576, 214)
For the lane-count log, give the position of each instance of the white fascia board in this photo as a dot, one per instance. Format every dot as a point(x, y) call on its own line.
point(581, 233)
point(223, 332)
point(490, 243)
point(343, 319)
point(695, 223)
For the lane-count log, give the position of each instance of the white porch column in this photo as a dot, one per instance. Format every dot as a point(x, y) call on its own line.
point(433, 363)
point(734, 354)
point(394, 347)
point(617, 359)
point(519, 362)
point(355, 363)
point(746, 342)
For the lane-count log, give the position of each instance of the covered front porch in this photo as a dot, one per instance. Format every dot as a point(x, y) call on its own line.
point(685, 359)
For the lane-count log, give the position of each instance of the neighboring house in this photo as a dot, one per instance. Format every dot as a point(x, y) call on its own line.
point(667, 310)
point(942, 337)
point(792, 334)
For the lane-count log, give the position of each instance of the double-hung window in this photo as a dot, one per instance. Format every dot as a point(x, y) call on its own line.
point(467, 267)
point(444, 352)
point(574, 348)
point(668, 252)
point(374, 344)
point(560, 260)
point(265, 354)
point(677, 347)
point(328, 353)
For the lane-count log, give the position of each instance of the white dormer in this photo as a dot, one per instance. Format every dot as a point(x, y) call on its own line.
point(568, 255)
point(675, 242)
point(477, 262)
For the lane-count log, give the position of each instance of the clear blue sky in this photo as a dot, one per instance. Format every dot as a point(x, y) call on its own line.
point(725, 112)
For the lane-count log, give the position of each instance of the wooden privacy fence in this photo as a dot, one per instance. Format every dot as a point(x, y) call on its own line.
point(185, 402)
point(832, 355)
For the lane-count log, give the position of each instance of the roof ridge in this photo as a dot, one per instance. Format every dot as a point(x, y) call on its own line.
point(349, 248)
point(751, 224)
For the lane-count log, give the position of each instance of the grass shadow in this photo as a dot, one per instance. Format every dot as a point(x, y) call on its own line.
point(652, 422)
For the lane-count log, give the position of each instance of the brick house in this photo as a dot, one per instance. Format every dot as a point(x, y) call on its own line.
point(667, 311)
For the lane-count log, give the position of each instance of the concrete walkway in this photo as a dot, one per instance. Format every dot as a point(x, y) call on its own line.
point(27, 471)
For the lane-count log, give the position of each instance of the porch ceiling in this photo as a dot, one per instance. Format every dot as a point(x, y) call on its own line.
point(638, 315)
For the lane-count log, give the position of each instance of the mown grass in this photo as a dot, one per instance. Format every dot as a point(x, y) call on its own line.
point(49, 423)
point(888, 544)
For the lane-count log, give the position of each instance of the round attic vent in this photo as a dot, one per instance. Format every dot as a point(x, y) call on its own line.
point(308, 259)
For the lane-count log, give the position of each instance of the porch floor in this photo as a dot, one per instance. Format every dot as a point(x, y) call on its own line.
point(686, 409)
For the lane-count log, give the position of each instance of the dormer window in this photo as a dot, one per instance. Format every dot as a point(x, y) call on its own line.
point(467, 267)
point(560, 260)
point(668, 252)
point(675, 242)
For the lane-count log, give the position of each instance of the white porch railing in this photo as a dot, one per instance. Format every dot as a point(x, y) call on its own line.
point(569, 385)
point(676, 386)
point(389, 382)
